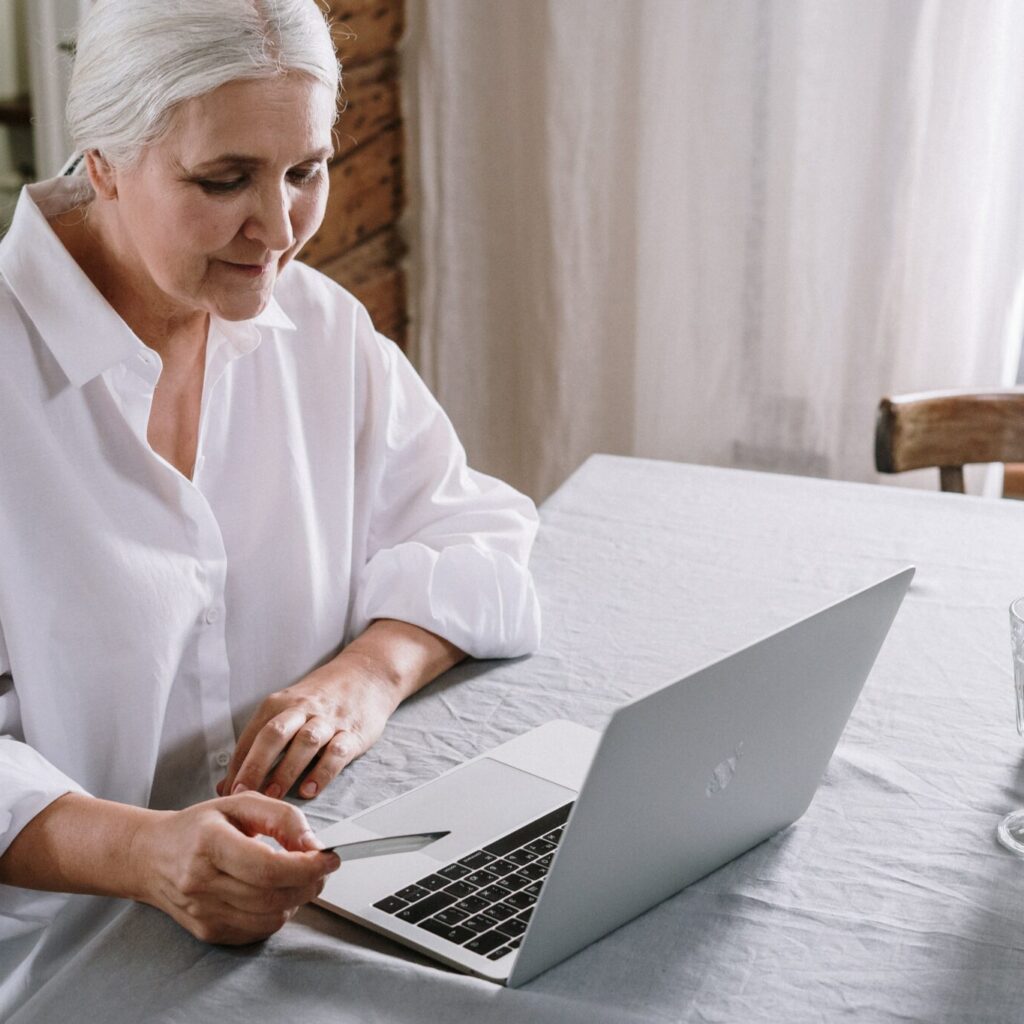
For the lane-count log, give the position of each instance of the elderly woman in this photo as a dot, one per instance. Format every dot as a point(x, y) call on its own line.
point(235, 528)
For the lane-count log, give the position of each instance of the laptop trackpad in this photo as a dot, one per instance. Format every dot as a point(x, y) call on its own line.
point(476, 803)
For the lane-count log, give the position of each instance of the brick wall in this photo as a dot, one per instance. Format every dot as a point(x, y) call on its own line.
point(359, 244)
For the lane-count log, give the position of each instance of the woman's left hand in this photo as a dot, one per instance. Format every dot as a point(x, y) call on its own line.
point(312, 729)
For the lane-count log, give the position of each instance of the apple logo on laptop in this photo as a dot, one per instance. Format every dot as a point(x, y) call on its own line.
point(724, 772)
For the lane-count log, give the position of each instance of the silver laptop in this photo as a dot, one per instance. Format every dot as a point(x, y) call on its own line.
point(562, 834)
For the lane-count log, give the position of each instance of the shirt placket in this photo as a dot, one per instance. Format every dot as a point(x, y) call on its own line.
point(212, 649)
point(134, 391)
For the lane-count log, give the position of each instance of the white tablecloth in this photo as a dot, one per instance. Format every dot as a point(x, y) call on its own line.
point(889, 900)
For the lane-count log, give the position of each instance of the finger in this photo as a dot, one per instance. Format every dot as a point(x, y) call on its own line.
point(257, 865)
point(266, 748)
point(301, 753)
point(263, 714)
point(225, 925)
point(250, 899)
point(235, 853)
point(343, 748)
point(253, 814)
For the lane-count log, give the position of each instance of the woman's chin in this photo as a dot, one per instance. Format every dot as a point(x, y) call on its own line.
point(242, 307)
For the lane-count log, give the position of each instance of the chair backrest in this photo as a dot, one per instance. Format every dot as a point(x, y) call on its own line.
point(949, 429)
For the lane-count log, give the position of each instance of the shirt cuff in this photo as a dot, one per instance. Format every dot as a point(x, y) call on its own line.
point(484, 602)
point(29, 784)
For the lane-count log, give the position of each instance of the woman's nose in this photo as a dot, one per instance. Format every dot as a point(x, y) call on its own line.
point(270, 223)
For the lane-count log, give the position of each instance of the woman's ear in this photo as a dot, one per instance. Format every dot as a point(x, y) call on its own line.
point(102, 175)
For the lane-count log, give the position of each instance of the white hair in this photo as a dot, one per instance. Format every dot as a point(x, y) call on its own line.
point(136, 60)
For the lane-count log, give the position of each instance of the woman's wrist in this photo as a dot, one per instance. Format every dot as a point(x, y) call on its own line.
point(403, 656)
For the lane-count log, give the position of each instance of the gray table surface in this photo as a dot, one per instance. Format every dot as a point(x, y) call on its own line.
point(888, 900)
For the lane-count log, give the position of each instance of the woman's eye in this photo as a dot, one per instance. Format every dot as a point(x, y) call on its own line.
point(305, 175)
point(220, 187)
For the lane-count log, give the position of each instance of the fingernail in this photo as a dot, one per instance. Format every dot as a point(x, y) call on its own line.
point(273, 791)
point(239, 788)
point(309, 789)
point(332, 857)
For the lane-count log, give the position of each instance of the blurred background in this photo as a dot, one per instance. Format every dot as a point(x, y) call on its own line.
point(713, 231)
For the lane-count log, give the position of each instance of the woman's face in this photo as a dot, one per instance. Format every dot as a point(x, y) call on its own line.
point(213, 211)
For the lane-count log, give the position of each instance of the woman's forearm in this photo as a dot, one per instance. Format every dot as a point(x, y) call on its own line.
point(202, 865)
point(77, 844)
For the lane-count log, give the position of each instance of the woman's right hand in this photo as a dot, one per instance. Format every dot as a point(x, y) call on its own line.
point(204, 867)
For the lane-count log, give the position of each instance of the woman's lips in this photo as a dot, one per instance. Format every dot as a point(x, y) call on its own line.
point(248, 269)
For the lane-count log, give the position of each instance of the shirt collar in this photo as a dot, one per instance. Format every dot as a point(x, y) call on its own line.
point(56, 293)
point(32, 258)
point(273, 316)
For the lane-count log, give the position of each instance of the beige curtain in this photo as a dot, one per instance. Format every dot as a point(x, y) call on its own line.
point(710, 230)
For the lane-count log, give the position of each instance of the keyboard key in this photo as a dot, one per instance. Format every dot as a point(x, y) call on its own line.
point(533, 872)
point(454, 871)
point(502, 867)
point(471, 904)
point(425, 908)
point(433, 882)
point(534, 889)
point(511, 928)
point(412, 893)
point(545, 861)
point(516, 881)
point(483, 944)
point(520, 900)
point(476, 860)
point(480, 878)
point(554, 835)
point(458, 934)
point(540, 847)
point(390, 904)
point(479, 923)
point(528, 832)
point(460, 890)
point(497, 954)
point(519, 857)
point(499, 912)
point(451, 916)
point(525, 915)
point(515, 943)
point(494, 893)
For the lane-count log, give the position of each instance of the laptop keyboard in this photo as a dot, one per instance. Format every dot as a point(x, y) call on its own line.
point(483, 901)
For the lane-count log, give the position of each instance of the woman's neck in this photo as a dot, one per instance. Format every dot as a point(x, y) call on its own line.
point(177, 335)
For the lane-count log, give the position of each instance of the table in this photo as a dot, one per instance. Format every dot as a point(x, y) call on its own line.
point(889, 900)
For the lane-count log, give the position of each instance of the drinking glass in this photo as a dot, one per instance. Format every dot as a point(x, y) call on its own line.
point(1011, 828)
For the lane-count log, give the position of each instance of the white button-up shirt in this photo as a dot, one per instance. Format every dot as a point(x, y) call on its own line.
point(143, 615)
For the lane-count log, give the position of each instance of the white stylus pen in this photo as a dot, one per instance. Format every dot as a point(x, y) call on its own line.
point(387, 844)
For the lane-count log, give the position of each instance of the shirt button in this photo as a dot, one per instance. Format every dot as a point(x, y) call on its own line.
point(212, 615)
point(223, 759)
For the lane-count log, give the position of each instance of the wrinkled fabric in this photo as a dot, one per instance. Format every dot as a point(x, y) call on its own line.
point(144, 615)
point(889, 900)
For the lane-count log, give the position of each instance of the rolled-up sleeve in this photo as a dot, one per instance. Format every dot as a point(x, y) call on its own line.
point(447, 547)
point(28, 782)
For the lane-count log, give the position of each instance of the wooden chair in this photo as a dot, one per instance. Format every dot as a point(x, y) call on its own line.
point(952, 429)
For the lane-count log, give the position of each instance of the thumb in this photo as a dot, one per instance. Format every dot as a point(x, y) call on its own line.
point(259, 815)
